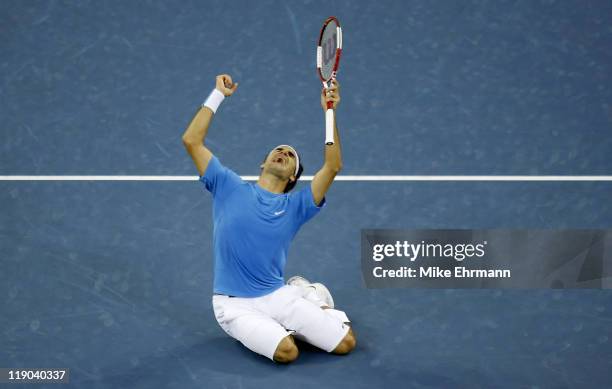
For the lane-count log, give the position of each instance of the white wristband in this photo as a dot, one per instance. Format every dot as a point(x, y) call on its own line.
point(214, 100)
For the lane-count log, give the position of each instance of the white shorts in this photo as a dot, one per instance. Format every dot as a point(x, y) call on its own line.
point(260, 323)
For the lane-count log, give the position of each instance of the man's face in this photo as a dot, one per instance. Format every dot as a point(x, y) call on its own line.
point(281, 162)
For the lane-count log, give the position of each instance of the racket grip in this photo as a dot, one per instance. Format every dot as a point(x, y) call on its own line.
point(329, 127)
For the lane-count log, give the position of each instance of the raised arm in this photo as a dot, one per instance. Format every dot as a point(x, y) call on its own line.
point(333, 154)
point(195, 134)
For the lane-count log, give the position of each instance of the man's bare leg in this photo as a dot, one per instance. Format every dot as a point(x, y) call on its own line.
point(287, 351)
point(347, 344)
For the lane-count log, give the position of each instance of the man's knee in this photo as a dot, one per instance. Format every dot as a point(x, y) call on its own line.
point(347, 344)
point(286, 351)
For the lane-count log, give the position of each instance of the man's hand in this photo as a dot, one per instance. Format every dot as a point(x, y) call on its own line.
point(225, 85)
point(331, 94)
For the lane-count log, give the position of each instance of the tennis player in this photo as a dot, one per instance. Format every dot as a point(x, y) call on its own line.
point(254, 223)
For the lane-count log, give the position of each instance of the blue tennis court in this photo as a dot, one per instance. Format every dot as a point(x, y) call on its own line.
point(113, 279)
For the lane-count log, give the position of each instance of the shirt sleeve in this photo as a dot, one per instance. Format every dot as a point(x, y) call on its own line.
point(306, 207)
point(218, 179)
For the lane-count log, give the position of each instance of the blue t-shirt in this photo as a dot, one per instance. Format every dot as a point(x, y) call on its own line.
point(252, 231)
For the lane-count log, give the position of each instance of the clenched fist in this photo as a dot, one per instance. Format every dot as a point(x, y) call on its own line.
point(331, 94)
point(225, 85)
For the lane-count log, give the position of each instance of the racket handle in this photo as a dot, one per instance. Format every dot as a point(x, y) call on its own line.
point(329, 127)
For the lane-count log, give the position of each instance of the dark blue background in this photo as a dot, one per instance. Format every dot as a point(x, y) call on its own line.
point(113, 280)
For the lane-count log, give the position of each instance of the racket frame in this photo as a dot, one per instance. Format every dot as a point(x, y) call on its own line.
point(329, 113)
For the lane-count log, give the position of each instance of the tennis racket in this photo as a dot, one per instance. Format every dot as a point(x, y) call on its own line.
point(329, 50)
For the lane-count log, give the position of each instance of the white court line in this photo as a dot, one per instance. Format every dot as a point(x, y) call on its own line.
point(309, 178)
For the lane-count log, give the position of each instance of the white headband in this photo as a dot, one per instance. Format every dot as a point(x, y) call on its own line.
point(297, 157)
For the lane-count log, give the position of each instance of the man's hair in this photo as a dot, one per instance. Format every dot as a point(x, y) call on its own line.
point(291, 185)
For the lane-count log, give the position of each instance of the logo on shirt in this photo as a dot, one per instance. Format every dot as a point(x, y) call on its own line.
point(279, 212)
